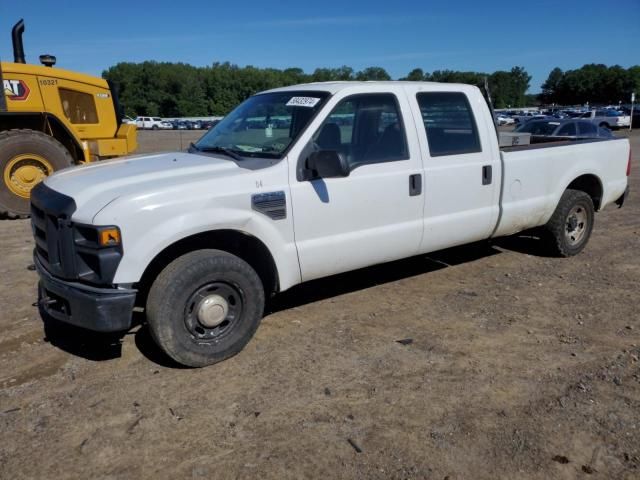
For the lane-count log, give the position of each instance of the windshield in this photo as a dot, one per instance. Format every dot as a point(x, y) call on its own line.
point(264, 125)
point(538, 128)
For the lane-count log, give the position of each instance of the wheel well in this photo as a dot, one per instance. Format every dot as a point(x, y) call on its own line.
point(591, 185)
point(243, 245)
point(46, 123)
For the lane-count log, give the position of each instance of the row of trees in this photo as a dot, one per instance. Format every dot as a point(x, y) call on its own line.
point(178, 89)
point(508, 89)
point(596, 84)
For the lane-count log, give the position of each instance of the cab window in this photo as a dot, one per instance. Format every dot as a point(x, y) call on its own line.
point(587, 129)
point(449, 123)
point(568, 130)
point(365, 129)
point(78, 107)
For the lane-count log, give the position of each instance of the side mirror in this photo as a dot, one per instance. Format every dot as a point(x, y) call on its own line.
point(327, 164)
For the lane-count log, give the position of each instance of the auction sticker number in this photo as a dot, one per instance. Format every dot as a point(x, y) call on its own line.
point(303, 102)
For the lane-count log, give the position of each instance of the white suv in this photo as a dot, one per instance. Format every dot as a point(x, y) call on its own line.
point(149, 123)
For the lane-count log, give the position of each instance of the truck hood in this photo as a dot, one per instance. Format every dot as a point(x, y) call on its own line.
point(95, 185)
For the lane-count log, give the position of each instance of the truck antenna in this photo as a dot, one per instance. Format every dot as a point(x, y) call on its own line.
point(487, 92)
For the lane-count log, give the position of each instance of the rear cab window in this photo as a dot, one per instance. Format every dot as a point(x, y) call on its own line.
point(568, 130)
point(587, 129)
point(449, 123)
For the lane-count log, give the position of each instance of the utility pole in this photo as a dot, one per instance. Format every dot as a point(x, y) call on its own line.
point(633, 100)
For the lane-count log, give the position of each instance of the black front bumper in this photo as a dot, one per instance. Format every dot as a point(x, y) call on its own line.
point(98, 309)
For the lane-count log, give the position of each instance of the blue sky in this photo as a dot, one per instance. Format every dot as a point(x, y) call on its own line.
point(398, 35)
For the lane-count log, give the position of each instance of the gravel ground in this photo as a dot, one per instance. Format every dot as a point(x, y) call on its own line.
point(512, 365)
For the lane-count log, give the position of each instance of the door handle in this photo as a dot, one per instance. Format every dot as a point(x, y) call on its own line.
point(486, 174)
point(415, 184)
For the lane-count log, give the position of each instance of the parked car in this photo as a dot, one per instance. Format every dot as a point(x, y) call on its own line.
point(210, 124)
point(503, 119)
point(542, 130)
point(202, 238)
point(608, 118)
point(166, 125)
point(526, 116)
point(149, 123)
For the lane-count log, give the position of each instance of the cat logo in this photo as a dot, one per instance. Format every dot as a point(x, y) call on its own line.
point(16, 89)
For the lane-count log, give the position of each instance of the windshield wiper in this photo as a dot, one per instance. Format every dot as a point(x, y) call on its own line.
point(225, 151)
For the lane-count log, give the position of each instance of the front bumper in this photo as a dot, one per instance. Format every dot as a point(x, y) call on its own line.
point(98, 309)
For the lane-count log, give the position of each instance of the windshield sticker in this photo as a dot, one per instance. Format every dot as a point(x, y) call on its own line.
point(303, 102)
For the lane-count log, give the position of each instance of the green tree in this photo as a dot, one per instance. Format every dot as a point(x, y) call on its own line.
point(373, 73)
point(415, 75)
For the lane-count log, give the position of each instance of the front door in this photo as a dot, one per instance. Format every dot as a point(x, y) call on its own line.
point(375, 214)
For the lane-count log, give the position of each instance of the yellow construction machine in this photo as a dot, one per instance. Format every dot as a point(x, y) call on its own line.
point(51, 119)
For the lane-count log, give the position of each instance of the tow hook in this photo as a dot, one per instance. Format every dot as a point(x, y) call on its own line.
point(44, 301)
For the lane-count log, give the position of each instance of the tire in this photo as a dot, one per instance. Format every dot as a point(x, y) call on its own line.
point(604, 125)
point(154, 127)
point(571, 224)
point(184, 327)
point(26, 157)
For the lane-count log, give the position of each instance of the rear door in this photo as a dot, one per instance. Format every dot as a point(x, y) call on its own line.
point(461, 166)
point(375, 214)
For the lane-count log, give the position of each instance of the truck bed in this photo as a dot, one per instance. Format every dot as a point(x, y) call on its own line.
point(534, 177)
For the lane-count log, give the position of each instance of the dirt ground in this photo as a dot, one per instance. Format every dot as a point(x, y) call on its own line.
point(515, 365)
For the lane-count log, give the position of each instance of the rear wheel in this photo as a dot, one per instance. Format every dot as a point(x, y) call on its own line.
point(204, 307)
point(154, 127)
point(571, 224)
point(26, 158)
point(604, 125)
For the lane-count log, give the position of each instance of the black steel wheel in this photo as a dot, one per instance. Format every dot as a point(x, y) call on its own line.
point(570, 226)
point(204, 307)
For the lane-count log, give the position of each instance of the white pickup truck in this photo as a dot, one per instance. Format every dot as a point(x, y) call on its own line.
point(351, 174)
point(608, 118)
point(151, 123)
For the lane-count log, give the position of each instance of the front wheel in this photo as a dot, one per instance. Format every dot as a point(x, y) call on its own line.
point(204, 307)
point(571, 224)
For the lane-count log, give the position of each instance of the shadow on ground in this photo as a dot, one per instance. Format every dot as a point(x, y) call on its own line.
point(83, 343)
point(368, 277)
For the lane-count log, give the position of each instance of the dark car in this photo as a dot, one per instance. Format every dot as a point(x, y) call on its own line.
point(541, 130)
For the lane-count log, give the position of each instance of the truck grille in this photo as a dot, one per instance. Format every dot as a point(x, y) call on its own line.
point(52, 231)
